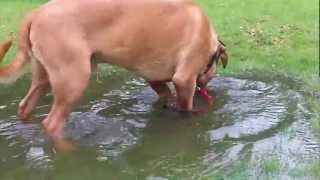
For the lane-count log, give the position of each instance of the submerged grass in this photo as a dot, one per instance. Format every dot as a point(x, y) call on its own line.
point(271, 166)
point(269, 37)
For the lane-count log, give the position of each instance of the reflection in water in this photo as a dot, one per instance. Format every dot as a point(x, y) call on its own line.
point(255, 108)
point(37, 158)
point(124, 134)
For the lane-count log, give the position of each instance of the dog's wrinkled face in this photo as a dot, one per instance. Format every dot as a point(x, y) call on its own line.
point(204, 78)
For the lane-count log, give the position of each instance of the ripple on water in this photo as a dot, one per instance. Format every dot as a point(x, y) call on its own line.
point(251, 118)
point(37, 158)
point(254, 107)
point(268, 118)
point(110, 136)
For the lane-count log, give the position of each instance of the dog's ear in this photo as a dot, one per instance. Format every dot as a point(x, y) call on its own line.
point(224, 56)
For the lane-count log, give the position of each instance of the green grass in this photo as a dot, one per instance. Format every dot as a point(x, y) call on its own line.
point(271, 37)
point(271, 166)
point(314, 169)
point(268, 35)
point(11, 13)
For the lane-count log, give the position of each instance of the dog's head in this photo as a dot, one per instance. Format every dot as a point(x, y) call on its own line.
point(220, 54)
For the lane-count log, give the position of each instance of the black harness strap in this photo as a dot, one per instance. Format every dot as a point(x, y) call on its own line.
point(216, 56)
point(214, 59)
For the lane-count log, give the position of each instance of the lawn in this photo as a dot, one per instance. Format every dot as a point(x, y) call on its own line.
point(276, 38)
point(270, 36)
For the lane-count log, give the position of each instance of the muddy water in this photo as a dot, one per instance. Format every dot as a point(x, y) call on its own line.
point(123, 133)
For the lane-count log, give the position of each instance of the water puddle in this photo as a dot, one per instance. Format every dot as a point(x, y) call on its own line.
point(124, 134)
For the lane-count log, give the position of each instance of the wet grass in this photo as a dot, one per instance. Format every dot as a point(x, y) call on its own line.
point(315, 115)
point(271, 166)
point(314, 169)
point(311, 171)
point(280, 36)
point(275, 37)
point(270, 37)
point(267, 169)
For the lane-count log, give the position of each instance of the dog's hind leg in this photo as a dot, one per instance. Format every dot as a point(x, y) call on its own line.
point(68, 82)
point(162, 90)
point(39, 86)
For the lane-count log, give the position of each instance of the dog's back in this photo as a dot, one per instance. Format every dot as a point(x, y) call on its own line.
point(140, 35)
point(161, 40)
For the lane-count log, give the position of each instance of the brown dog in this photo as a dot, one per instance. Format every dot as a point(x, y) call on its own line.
point(162, 41)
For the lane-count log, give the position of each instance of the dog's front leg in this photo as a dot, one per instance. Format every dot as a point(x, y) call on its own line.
point(185, 88)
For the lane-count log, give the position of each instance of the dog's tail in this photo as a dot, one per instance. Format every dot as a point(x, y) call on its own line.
point(22, 56)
